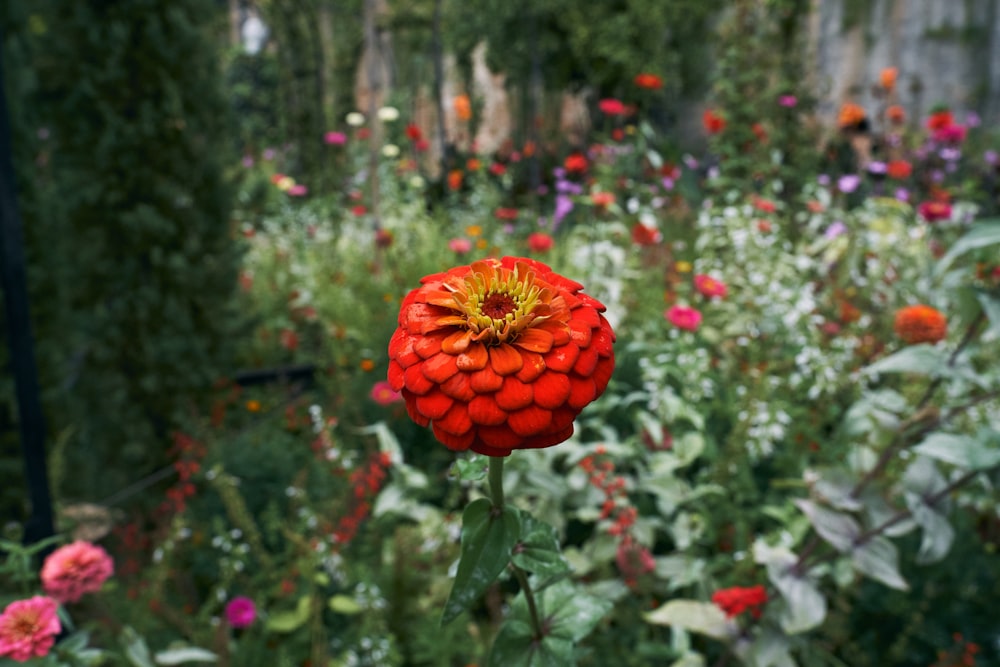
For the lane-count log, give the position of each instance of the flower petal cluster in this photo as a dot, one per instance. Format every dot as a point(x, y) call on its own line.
point(75, 569)
point(710, 287)
point(738, 599)
point(28, 628)
point(500, 355)
point(241, 612)
point(920, 324)
point(934, 211)
point(684, 317)
point(648, 81)
point(851, 115)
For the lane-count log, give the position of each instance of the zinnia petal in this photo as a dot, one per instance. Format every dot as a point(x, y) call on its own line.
point(474, 358)
point(514, 394)
point(434, 405)
point(483, 410)
point(440, 367)
point(505, 359)
point(459, 387)
point(530, 421)
point(562, 358)
point(416, 381)
point(551, 390)
point(532, 368)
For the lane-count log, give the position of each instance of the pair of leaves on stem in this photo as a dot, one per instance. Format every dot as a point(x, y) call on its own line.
point(492, 538)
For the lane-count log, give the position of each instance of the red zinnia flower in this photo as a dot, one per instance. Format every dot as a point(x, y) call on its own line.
point(540, 242)
point(413, 133)
point(933, 211)
point(505, 213)
point(940, 119)
point(575, 163)
point(920, 324)
point(648, 81)
point(899, 169)
point(611, 107)
point(645, 235)
point(709, 286)
point(713, 122)
point(737, 599)
point(500, 355)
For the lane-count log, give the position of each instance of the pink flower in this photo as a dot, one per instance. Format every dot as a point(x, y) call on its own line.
point(335, 138)
point(383, 393)
point(709, 286)
point(788, 101)
point(298, 190)
point(28, 628)
point(540, 242)
point(611, 107)
point(241, 612)
point(683, 317)
point(460, 246)
point(75, 569)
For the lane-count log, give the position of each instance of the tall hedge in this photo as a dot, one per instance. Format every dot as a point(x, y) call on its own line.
point(131, 245)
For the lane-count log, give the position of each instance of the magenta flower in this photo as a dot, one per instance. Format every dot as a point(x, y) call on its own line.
point(788, 101)
point(28, 628)
point(383, 393)
point(683, 317)
point(335, 138)
point(460, 246)
point(298, 190)
point(241, 612)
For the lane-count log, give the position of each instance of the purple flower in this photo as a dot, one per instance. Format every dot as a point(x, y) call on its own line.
point(991, 157)
point(835, 230)
point(690, 161)
point(902, 194)
point(848, 183)
point(823, 179)
point(268, 154)
point(972, 119)
point(241, 612)
point(563, 206)
point(668, 183)
point(950, 154)
point(247, 161)
point(788, 101)
point(877, 168)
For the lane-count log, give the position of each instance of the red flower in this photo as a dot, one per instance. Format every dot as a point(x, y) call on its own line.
point(939, 120)
point(413, 132)
point(648, 81)
point(737, 599)
point(683, 317)
point(709, 286)
point(602, 199)
point(540, 242)
point(498, 169)
point(896, 114)
point(645, 235)
point(576, 163)
point(899, 169)
point(713, 122)
point(500, 355)
point(920, 324)
point(359, 210)
point(933, 211)
point(611, 107)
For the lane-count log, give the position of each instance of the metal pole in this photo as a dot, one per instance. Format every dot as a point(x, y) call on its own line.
point(20, 342)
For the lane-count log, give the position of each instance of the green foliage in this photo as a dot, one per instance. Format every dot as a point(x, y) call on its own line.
point(129, 235)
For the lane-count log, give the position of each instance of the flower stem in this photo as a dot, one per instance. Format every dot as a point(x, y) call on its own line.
point(496, 481)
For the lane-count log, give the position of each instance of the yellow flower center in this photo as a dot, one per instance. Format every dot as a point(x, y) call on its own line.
point(499, 303)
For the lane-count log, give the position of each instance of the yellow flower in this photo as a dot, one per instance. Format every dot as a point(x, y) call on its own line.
point(683, 267)
point(473, 230)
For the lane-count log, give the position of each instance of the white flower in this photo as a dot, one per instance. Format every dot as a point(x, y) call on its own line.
point(355, 119)
point(390, 150)
point(388, 114)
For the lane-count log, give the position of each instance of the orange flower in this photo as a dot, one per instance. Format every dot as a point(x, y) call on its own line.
point(455, 177)
point(895, 114)
point(648, 81)
point(850, 115)
point(920, 324)
point(463, 107)
point(888, 77)
point(602, 199)
point(500, 355)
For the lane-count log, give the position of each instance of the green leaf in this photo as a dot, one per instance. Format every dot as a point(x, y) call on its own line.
point(136, 650)
point(516, 646)
point(769, 649)
point(839, 529)
point(962, 450)
point(570, 612)
point(921, 359)
point(538, 549)
point(984, 233)
point(487, 540)
point(704, 618)
point(290, 621)
point(805, 606)
point(938, 534)
point(472, 469)
point(834, 486)
point(990, 301)
point(342, 604)
point(879, 559)
point(181, 655)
